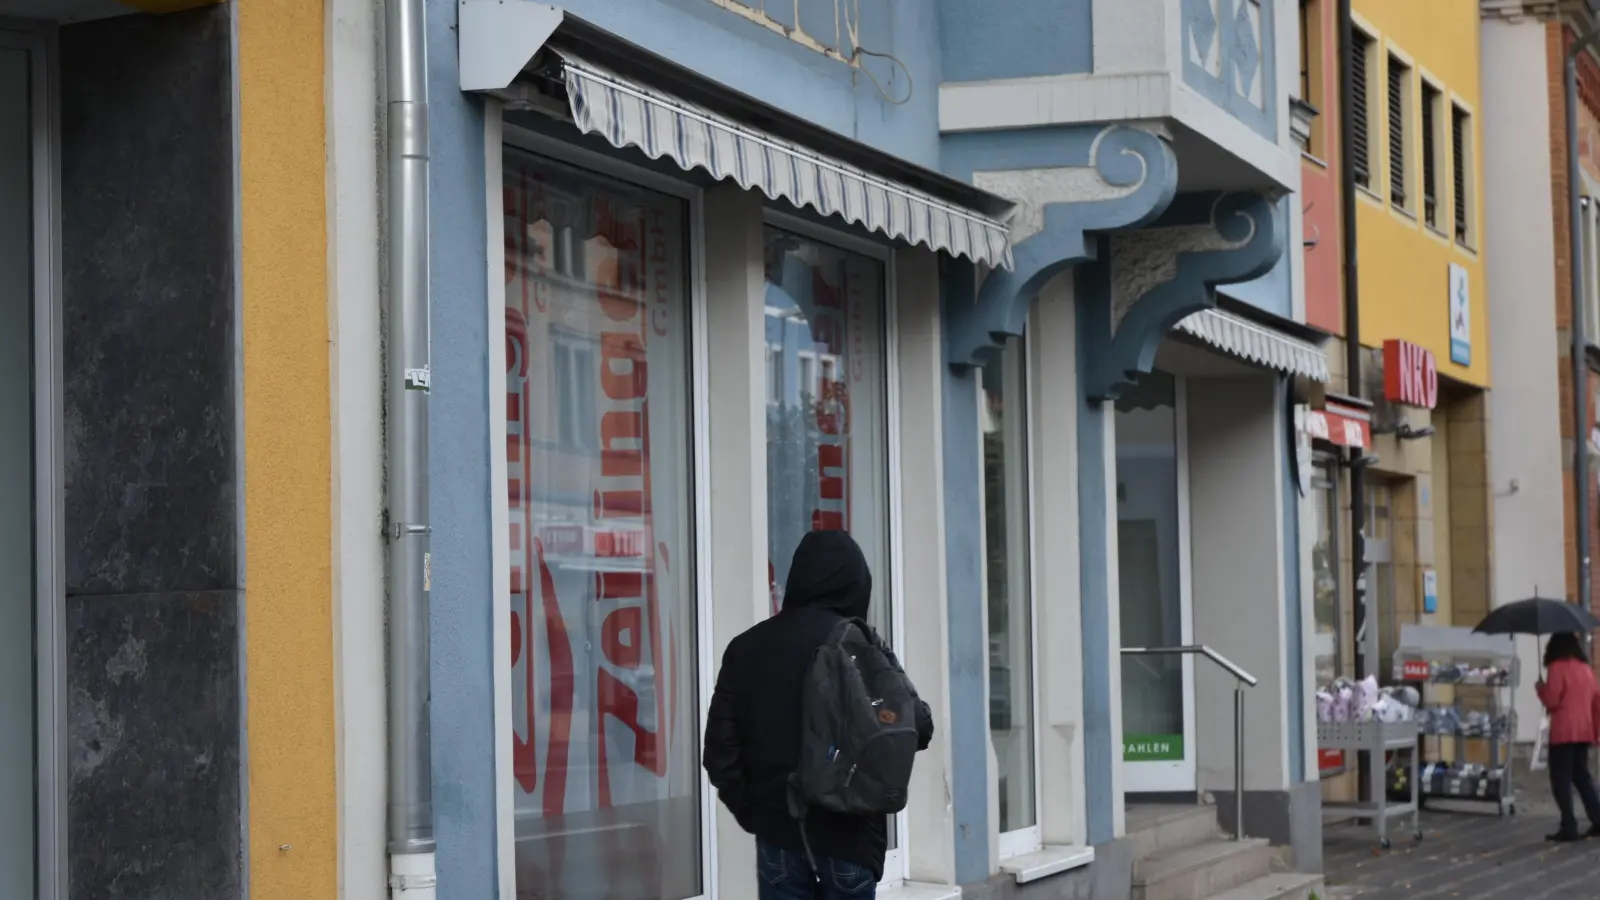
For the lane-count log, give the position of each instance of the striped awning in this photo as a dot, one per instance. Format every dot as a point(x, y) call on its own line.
point(1238, 336)
point(628, 114)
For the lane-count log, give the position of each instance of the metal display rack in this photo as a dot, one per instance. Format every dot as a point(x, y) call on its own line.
point(1440, 656)
point(1376, 738)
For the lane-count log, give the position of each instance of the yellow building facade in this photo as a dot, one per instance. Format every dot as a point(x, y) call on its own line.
point(1419, 211)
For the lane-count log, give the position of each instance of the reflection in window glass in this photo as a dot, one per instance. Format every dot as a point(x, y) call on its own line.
point(827, 434)
point(1148, 566)
point(605, 747)
point(1010, 613)
point(1324, 500)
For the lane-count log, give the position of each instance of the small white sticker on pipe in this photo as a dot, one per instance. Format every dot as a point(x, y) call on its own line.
point(419, 379)
point(427, 572)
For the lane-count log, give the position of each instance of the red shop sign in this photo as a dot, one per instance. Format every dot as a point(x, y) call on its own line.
point(1339, 425)
point(1416, 670)
point(1410, 374)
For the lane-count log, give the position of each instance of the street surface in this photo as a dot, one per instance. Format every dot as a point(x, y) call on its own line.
point(1468, 853)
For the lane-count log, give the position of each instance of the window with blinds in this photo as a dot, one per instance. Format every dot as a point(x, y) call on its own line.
point(1360, 69)
point(1399, 93)
point(1461, 172)
point(1432, 105)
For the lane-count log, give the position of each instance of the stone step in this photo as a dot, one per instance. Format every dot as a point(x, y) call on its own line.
point(1154, 828)
point(1281, 886)
point(1202, 871)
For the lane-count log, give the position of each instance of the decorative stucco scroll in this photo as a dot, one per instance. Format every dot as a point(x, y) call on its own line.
point(1068, 185)
point(1156, 277)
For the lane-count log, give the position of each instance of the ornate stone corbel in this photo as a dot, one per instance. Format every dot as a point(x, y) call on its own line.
point(1157, 276)
point(1067, 187)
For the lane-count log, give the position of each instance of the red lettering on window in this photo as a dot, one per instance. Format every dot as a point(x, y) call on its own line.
point(629, 382)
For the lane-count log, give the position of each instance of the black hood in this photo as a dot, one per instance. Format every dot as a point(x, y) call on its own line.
point(829, 571)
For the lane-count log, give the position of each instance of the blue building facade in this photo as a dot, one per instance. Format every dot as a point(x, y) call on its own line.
point(1010, 293)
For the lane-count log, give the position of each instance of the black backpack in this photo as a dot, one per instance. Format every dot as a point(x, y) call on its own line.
point(858, 727)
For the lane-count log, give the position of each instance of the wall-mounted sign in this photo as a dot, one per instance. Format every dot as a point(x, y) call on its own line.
point(1410, 374)
point(1338, 423)
point(1430, 591)
point(1460, 316)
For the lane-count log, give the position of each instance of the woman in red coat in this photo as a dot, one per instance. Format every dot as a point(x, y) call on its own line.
point(1571, 694)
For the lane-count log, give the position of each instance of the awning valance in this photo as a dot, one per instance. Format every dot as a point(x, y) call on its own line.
point(628, 114)
point(1259, 344)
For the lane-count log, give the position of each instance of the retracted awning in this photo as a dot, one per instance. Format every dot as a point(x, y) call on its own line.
point(629, 114)
point(700, 123)
point(1259, 344)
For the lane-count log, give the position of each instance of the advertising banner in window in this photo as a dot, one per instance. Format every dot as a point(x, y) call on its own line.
point(605, 746)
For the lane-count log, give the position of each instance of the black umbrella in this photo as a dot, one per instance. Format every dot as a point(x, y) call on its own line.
point(1538, 615)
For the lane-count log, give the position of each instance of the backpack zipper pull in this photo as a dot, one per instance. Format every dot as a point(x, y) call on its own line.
point(850, 774)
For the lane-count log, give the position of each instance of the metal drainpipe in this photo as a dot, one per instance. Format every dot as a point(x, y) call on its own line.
point(412, 874)
point(1365, 664)
point(1580, 367)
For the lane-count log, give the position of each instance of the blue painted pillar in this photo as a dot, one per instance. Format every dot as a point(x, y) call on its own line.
point(1102, 740)
point(463, 676)
point(1294, 618)
point(963, 497)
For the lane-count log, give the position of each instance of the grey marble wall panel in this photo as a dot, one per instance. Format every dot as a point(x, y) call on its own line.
point(148, 291)
point(153, 746)
point(154, 680)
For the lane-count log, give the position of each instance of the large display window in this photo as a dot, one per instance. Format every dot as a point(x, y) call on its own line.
point(599, 494)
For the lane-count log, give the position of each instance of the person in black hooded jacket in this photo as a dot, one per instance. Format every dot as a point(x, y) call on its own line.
point(752, 740)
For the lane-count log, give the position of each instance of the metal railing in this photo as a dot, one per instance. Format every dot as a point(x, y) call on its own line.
point(1242, 680)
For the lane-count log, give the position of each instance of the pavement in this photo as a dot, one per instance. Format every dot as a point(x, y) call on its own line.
point(1468, 852)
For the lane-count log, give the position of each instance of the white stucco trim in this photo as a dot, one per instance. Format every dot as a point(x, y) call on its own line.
point(919, 358)
point(1064, 100)
point(1057, 588)
point(356, 392)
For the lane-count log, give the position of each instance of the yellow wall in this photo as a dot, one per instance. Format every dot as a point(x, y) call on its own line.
point(1403, 263)
point(288, 530)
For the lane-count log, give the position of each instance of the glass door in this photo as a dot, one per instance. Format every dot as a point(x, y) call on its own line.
point(1153, 566)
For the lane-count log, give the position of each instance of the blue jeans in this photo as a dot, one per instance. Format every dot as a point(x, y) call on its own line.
point(785, 875)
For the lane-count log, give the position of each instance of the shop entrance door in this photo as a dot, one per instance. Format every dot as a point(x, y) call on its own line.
point(1382, 621)
point(17, 721)
point(1153, 565)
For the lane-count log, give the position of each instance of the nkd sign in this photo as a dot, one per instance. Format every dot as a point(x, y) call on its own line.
point(1410, 375)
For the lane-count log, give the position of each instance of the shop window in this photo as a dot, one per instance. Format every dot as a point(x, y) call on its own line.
point(1009, 597)
point(1432, 162)
point(1399, 84)
point(605, 755)
point(827, 442)
point(1362, 49)
point(1311, 76)
point(1328, 623)
point(1462, 162)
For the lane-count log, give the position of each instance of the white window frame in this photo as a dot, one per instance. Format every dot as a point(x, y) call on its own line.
point(1022, 841)
point(497, 138)
point(896, 860)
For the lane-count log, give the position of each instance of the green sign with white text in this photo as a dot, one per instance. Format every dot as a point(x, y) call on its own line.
point(1152, 747)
